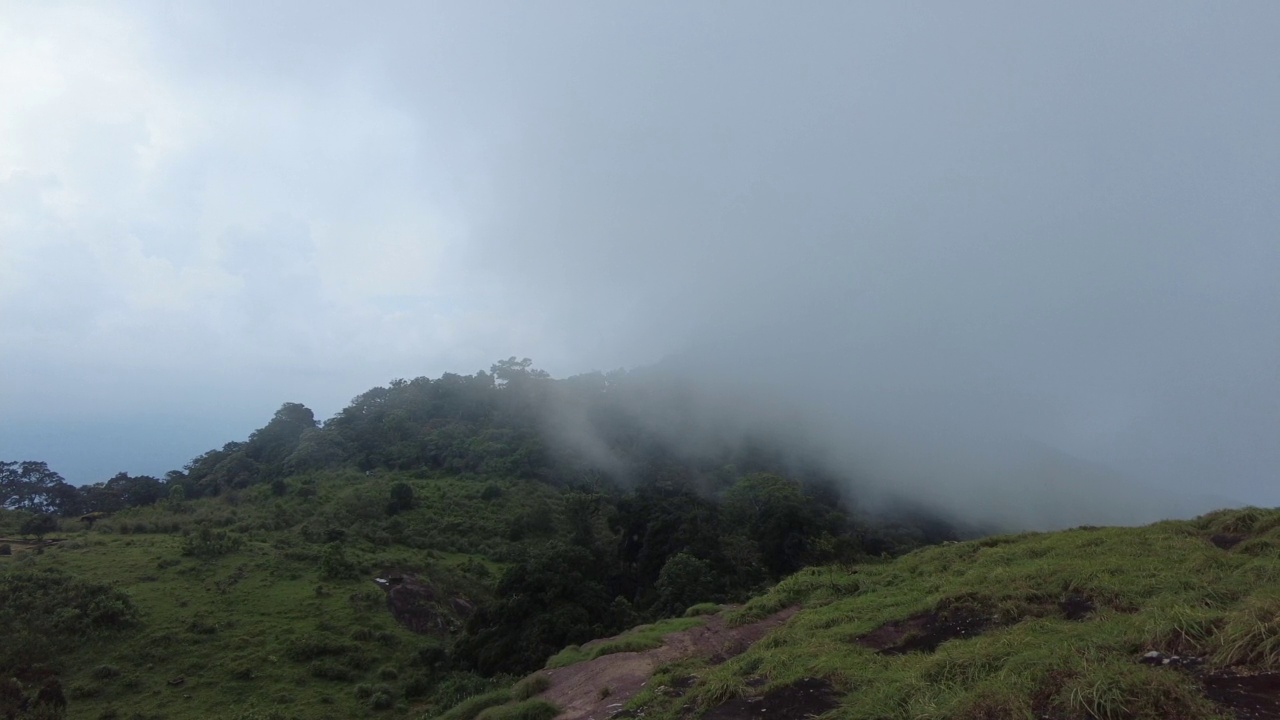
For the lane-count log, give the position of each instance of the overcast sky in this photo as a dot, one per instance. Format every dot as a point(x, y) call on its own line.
point(1051, 222)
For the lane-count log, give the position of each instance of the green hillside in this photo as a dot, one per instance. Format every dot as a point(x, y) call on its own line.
point(1051, 625)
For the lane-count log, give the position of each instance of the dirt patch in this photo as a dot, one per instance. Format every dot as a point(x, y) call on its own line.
point(1076, 606)
point(1226, 541)
point(597, 689)
point(1249, 697)
point(924, 632)
point(964, 617)
point(418, 606)
point(805, 698)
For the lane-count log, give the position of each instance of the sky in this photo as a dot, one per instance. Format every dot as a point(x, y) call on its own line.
point(944, 229)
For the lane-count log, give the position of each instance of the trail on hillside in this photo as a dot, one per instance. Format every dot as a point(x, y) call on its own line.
point(596, 689)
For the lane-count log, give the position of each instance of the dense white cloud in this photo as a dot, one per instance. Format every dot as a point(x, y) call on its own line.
point(204, 225)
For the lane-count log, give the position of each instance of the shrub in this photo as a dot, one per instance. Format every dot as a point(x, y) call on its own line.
point(418, 685)
point(527, 710)
point(209, 543)
point(382, 698)
point(334, 564)
point(471, 707)
point(387, 672)
point(83, 690)
point(363, 691)
point(319, 645)
point(330, 670)
point(105, 672)
point(707, 608)
point(530, 686)
point(6, 550)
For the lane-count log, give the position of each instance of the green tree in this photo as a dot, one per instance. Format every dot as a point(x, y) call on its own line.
point(684, 581)
point(401, 498)
point(773, 512)
point(39, 526)
point(30, 485)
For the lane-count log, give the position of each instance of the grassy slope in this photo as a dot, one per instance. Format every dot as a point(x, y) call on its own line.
point(637, 639)
point(236, 627)
point(1162, 587)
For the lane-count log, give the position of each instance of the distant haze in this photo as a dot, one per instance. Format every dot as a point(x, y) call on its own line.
point(1009, 258)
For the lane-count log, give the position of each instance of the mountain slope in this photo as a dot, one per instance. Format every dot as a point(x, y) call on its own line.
point(1180, 619)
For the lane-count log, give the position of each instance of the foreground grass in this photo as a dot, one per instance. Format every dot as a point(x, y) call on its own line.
point(1164, 587)
point(638, 639)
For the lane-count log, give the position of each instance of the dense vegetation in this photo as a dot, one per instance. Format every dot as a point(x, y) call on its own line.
point(526, 514)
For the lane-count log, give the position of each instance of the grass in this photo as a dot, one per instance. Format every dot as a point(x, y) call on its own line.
point(638, 639)
point(526, 710)
point(707, 608)
point(471, 707)
point(259, 630)
point(533, 685)
point(1163, 587)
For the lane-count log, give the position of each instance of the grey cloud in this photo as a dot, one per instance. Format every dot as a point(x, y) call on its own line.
point(990, 240)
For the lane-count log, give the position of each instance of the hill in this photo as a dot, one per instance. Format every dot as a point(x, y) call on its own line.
point(1179, 619)
point(431, 541)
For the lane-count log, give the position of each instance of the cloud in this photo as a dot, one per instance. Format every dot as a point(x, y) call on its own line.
point(980, 226)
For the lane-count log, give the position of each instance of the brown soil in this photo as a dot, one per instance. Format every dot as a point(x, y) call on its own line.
point(417, 605)
point(805, 698)
point(1076, 606)
point(597, 689)
point(958, 618)
point(1226, 541)
point(924, 632)
point(1250, 697)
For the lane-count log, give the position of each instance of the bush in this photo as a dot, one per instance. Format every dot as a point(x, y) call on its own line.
point(383, 698)
point(707, 608)
point(209, 543)
point(330, 670)
point(6, 550)
point(363, 691)
point(83, 690)
point(527, 710)
point(471, 707)
point(418, 685)
point(387, 672)
point(105, 672)
point(334, 564)
point(530, 686)
point(320, 645)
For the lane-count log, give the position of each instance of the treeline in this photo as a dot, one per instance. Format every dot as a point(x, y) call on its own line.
point(625, 428)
